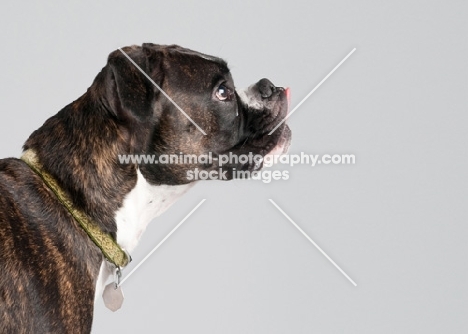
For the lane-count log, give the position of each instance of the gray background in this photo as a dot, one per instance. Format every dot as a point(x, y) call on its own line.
point(395, 221)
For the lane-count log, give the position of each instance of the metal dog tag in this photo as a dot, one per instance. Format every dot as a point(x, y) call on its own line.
point(113, 297)
point(113, 294)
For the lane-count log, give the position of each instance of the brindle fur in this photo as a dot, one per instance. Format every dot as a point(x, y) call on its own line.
point(49, 266)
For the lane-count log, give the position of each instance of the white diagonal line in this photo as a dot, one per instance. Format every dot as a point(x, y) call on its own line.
point(313, 243)
point(162, 241)
point(163, 92)
point(313, 90)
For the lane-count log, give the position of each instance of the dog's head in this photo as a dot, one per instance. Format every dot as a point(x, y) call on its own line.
point(187, 104)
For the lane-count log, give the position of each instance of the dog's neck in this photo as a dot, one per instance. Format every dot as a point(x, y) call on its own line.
point(87, 166)
point(117, 197)
point(143, 203)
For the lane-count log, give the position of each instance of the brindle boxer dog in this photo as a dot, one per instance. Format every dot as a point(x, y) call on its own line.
point(68, 208)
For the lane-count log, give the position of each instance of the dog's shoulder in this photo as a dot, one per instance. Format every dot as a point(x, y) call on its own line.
point(22, 192)
point(41, 272)
point(17, 183)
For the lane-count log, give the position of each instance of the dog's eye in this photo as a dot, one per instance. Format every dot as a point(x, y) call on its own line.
point(223, 93)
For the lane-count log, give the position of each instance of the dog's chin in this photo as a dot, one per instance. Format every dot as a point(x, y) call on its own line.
point(279, 147)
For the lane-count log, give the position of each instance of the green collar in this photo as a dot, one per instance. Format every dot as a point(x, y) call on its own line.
point(109, 247)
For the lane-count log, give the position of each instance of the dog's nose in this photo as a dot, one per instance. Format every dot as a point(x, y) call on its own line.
point(266, 88)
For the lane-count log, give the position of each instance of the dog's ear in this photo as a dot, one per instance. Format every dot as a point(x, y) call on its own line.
point(130, 94)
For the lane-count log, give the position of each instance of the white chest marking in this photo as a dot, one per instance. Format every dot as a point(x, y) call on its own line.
point(143, 203)
point(104, 274)
point(140, 206)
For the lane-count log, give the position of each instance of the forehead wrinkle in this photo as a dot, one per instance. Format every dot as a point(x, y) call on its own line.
point(219, 78)
point(218, 61)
